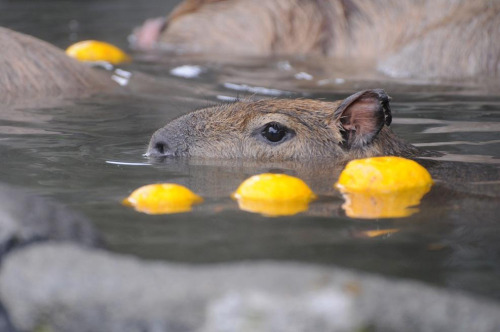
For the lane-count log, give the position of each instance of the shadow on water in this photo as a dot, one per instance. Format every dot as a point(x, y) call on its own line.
point(88, 154)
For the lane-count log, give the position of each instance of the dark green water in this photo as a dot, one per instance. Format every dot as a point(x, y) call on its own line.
point(87, 154)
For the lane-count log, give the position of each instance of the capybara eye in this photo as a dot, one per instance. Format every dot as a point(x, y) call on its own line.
point(274, 132)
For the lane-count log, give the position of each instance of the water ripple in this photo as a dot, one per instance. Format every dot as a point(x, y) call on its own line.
point(256, 89)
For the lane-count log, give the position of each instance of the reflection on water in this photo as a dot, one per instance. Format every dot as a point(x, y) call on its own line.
point(88, 154)
point(383, 205)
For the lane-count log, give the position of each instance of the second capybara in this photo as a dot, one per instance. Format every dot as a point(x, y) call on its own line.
point(33, 68)
point(286, 129)
point(425, 38)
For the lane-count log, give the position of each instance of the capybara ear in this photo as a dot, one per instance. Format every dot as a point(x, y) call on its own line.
point(360, 117)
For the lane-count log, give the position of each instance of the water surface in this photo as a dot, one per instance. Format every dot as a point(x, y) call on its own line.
point(88, 154)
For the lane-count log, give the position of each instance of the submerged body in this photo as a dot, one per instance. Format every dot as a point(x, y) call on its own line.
point(427, 38)
point(286, 129)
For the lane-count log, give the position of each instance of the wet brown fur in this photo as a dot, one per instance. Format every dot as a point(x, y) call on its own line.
point(432, 38)
point(234, 131)
point(34, 68)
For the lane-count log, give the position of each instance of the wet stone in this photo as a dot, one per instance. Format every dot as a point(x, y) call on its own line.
point(64, 287)
point(25, 219)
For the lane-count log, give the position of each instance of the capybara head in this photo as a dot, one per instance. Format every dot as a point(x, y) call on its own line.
point(256, 27)
point(285, 129)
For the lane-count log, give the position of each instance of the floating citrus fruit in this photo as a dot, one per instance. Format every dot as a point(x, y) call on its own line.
point(383, 187)
point(93, 50)
point(383, 174)
point(273, 194)
point(162, 198)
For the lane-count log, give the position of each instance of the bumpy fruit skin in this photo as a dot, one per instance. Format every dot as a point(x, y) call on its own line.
point(93, 50)
point(274, 195)
point(383, 174)
point(274, 187)
point(162, 198)
point(383, 187)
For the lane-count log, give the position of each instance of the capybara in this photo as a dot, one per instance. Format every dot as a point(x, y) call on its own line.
point(425, 38)
point(34, 68)
point(287, 129)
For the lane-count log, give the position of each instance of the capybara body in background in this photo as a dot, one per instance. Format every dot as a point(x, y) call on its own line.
point(425, 38)
point(33, 68)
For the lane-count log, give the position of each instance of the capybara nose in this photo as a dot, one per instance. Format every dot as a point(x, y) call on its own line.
point(158, 149)
point(166, 142)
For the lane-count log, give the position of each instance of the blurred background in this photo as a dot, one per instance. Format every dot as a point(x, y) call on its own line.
point(63, 22)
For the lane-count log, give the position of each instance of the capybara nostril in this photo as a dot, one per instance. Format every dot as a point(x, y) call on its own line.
point(159, 148)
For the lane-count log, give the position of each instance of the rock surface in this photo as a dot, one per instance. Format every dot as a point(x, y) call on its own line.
point(64, 287)
point(26, 218)
point(5, 324)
